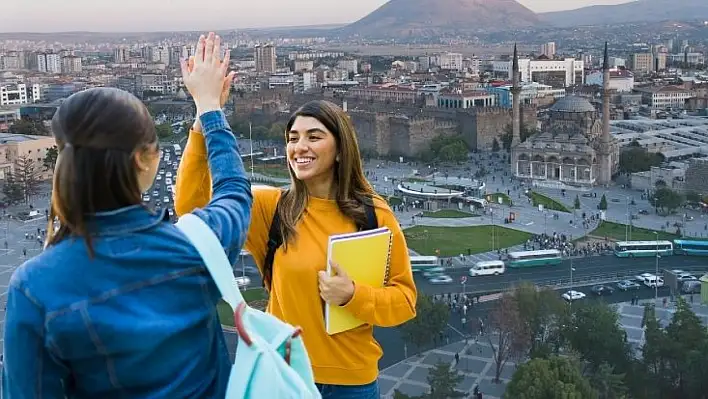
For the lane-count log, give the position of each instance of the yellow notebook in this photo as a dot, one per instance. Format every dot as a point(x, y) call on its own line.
point(364, 256)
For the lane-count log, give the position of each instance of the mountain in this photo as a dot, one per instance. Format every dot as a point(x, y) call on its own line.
point(636, 11)
point(406, 18)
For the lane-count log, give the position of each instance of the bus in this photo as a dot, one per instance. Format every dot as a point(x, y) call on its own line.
point(691, 247)
point(534, 258)
point(423, 263)
point(631, 249)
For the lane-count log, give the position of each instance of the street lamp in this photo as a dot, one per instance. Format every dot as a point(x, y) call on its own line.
point(656, 282)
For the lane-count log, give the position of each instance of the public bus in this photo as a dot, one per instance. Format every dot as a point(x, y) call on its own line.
point(423, 263)
point(543, 257)
point(691, 247)
point(631, 249)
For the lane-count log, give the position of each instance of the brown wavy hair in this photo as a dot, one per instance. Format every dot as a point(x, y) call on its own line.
point(353, 189)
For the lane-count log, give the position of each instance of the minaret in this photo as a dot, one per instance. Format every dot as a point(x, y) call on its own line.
point(516, 100)
point(605, 168)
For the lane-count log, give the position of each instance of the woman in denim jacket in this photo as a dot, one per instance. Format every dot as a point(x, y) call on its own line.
point(119, 305)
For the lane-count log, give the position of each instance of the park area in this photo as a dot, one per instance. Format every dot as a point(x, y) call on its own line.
point(453, 241)
point(619, 232)
point(547, 202)
point(499, 198)
point(448, 214)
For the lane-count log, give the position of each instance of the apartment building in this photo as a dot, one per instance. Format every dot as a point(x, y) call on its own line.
point(16, 146)
point(19, 94)
point(265, 58)
point(71, 64)
point(450, 61)
point(548, 49)
point(8, 115)
point(555, 73)
point(351, 66)
point(664, 97)
point(621, 80)
point(49, 62)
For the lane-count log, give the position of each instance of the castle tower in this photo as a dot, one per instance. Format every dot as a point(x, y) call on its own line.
point(516, 100)
point(605, 167)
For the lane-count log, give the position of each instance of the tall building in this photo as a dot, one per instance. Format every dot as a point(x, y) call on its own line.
point(49, 62)
point(121, 55)
point(71, 64)
point(548, 49)
point(605, 175)
point(265, 58)
point(516, 99)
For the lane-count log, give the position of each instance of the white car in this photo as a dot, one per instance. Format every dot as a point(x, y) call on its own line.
point(146, 198)
point(168, 181)
point(242, 281)
point(168, 174)
point(644, 276)
point(572, 295)
point(166, 199)
point(440, 279)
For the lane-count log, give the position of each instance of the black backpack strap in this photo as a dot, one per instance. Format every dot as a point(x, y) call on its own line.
point(371, 222)
point(275, 240)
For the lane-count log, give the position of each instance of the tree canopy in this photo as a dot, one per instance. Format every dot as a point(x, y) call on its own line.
point(431, 319)
point(552, 378)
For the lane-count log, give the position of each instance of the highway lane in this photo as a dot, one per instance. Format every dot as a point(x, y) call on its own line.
point(390, 338)
point(584, 269)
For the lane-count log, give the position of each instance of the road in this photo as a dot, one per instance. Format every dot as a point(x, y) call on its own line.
point(585, 268)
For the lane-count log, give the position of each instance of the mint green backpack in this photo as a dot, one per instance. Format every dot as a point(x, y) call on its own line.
point(271, 359)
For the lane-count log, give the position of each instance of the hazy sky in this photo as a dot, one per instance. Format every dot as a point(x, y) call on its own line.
point(156, 15)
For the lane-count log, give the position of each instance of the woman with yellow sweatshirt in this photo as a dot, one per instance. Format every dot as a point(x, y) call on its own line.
point(327, 196)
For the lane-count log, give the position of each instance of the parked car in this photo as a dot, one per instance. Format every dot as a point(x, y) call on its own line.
point(627, 285)
point(600, 290)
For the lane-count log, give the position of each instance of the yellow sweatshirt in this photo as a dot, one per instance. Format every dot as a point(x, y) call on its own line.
point(348, 358)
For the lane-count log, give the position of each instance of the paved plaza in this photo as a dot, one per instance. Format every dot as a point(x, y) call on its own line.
point(476, 363)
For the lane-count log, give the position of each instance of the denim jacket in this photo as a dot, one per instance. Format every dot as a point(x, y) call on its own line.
point(139, 319)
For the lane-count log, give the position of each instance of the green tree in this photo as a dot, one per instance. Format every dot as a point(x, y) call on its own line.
point(508, 334)
point(400, 395)
point(12, 190)
point(666, 199)
point(495, 145)
point(277, 131)
point(50, 158)
point(164, 130)
point(27, 176)
point(603, 203)
point(446, 149)
point(576, 204)
point(595, 334)
point(693, 197)
point(431, 319)
point(552, 378)
point(443, 380)
point(454, 152)
point(637, 159)
point(542, 312)
point(29, 127)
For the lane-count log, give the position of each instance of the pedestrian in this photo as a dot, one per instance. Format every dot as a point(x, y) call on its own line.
point(457, 359)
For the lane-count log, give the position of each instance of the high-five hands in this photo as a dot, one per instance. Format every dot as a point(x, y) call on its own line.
point(205, 77)
point(337, 289)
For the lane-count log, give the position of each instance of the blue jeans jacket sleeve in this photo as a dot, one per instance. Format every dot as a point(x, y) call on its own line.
point(30, 371)
point(229, 211)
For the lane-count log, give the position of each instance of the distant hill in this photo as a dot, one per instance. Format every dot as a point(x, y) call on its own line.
point(406, 18)
point(636, 11)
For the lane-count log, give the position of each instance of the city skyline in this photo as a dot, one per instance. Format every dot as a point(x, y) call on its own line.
point(142, 15)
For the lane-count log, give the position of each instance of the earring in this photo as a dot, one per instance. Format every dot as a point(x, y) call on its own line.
point(337, 158)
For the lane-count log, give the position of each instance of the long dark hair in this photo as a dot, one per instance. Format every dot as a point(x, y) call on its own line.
point(353, 189)
point(98, 132)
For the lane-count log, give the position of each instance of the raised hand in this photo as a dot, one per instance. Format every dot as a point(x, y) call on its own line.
point(205, 79)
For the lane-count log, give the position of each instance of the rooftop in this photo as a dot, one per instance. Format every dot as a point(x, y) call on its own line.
point(572, 104)
point(674, 138)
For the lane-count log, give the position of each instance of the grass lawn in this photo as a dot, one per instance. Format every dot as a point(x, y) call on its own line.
point(616, 231)
point(226, 315)
point(394, 201)
point(505, 199)
point(548, 203)
point(415, 180)
point(448, 214)
point(452, 241)
point(279, 171)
